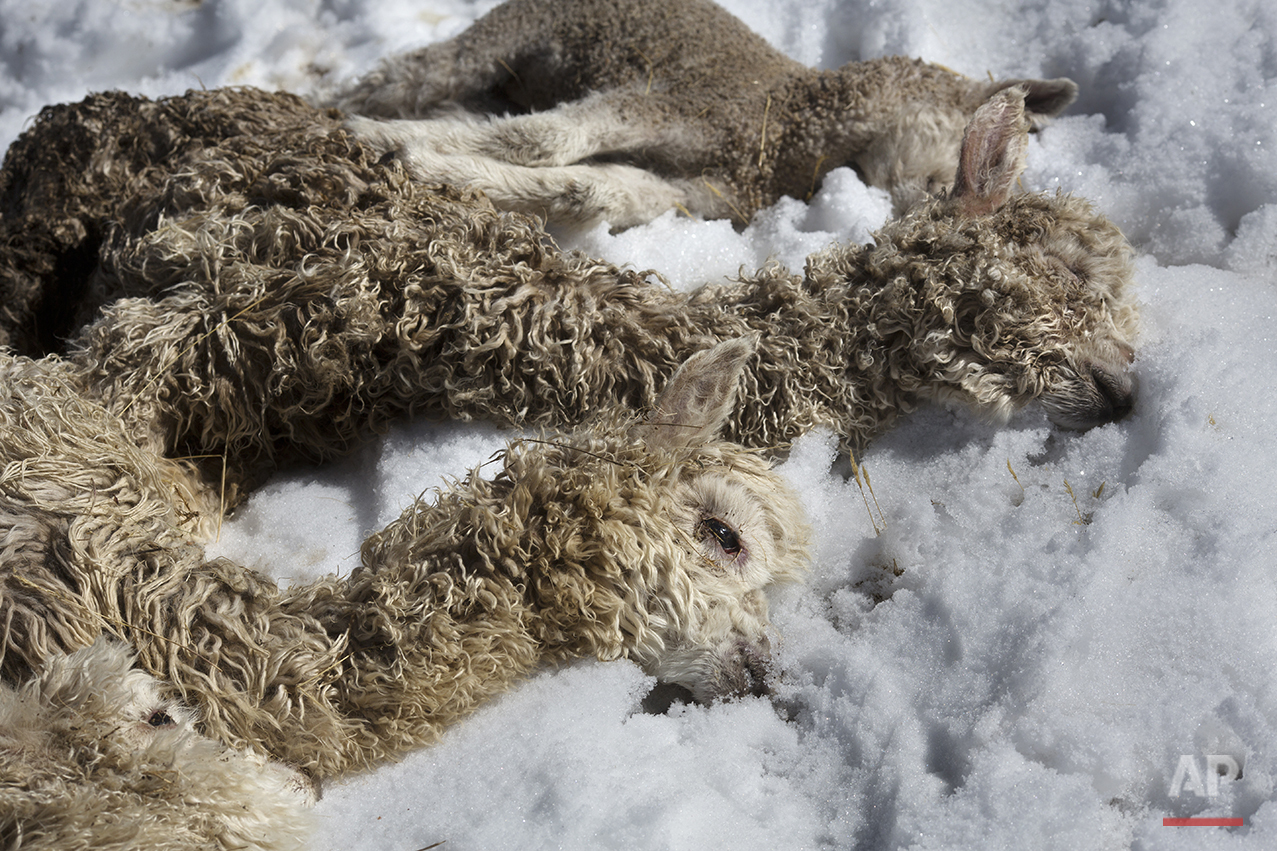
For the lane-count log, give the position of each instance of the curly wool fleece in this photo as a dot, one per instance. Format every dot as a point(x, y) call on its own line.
point(652, 542)
point(347, 295)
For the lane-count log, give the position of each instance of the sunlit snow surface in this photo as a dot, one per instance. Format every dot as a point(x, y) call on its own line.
point(1018, 643)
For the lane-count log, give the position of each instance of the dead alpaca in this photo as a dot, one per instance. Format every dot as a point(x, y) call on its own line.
point(346, 296)
point(596, 110)
point(416, 300)
point(651, 541)
point(93, 758)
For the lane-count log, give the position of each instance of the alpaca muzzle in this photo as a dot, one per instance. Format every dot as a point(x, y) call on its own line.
point(1098, 395)
point(745, 670)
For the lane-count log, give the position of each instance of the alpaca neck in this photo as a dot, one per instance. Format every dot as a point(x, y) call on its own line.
point(449, 608)
point(819, 117)
point(823, 359)
point(628, 336)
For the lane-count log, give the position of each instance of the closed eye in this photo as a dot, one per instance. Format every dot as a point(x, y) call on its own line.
point(160, 718)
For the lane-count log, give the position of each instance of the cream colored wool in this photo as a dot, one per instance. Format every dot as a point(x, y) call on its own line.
point(275, 292)
point(92, 758)
point(652, 542)
point(618, 110)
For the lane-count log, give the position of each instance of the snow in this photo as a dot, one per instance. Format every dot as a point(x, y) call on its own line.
point(1017, 637)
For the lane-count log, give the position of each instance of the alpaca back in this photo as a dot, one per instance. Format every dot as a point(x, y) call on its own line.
point(532, 56)
point(65, 178)
point(344, 297)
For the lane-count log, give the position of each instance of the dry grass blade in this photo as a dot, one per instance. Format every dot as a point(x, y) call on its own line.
point(735, 210)
point(762, 135)
point(861, 475)
point(1014, 476)
point(1082, 520)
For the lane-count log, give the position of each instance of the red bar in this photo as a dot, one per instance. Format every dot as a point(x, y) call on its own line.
point(1202, 822)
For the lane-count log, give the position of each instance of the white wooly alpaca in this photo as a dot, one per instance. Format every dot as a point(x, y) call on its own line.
point(618, 110)
point(648, 540)
point(92, 757)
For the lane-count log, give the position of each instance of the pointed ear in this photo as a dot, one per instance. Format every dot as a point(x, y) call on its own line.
point(993, 151)
point(700, 397)
point(1043, 99)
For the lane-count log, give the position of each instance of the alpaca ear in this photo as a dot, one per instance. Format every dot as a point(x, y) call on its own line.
point(1043, 99)
point(994, 147)
point(700, 397)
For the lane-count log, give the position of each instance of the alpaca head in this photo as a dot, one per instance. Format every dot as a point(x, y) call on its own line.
point(915, 153)
point(737, 528)
point(93, 756)
point(997, 299)
point(654, 542)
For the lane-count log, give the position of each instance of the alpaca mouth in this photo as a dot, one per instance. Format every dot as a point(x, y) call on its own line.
point(664, 695)
point(745, 671)
point(1098, 396)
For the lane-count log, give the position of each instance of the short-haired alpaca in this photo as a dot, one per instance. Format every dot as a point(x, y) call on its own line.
point(94, 758)
point(346, 295)
point(642, 539)
point(618, 110)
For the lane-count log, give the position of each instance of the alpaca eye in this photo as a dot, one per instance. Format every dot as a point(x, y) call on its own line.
point(160, 718)
point(726, 537)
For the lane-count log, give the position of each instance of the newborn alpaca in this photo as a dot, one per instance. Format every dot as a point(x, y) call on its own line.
point(92, 758)
point(590, 110)
point(648, 541)
point(345, 296)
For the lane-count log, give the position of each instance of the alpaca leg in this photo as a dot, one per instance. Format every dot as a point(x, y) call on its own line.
point(593, 127)
point(533, 163)
point(528, 140)
point(576, 195)
point(584, 195)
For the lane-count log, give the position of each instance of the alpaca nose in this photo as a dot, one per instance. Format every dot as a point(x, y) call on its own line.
point(1116, 392)
point(1094, 395)
point(748, 670)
